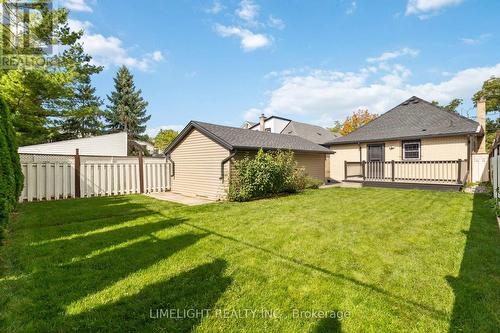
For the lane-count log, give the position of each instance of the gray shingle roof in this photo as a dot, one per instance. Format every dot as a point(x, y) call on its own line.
point(414, 118)
point(314, 133)
point(240, 138)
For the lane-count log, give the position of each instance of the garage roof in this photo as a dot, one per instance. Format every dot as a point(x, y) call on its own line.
point(239, 138)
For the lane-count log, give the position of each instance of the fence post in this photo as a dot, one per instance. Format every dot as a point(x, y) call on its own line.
point(363, 168)
point(392, 170)
point(77, 174)
point(345, 169)
point(459, 170)
point(141, 173)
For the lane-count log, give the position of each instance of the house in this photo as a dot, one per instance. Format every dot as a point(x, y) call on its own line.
point(202, 154)
point(116, 144)
point(415, 144)
point(102, 145)
point(275, 124)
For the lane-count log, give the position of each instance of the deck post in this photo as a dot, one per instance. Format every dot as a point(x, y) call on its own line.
point(345, 169)
point(363, 168)
point(392, 170)
point(77, 174)
point(459, 170)
point(141, 173)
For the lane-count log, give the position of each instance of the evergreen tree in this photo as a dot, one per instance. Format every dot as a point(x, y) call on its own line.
point(10, 136)
point(127, 109)
point(80, 114)
point(7, 178)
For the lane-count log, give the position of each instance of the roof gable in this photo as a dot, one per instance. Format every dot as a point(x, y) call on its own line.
point(413, 118)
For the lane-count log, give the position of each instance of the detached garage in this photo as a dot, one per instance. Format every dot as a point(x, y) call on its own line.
point(202, 154)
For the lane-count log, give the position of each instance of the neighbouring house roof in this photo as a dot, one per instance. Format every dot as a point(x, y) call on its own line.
point(248, 124)
point(414, 118)
point(238, 138)
point(102, 145)
point(314, 133)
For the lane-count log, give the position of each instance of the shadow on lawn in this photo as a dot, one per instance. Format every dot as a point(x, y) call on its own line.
point(328, 325)
point(396, 298)
point(53, 287)
point(196, 289)
point(477, 288)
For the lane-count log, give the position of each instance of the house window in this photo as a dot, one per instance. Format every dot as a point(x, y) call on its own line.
point(411, 150)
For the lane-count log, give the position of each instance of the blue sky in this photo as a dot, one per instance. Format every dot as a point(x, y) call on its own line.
point(314, 61)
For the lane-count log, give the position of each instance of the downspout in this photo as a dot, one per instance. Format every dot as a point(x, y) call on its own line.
point(172, 172)
point(224, 161)
point(469, 157)
point(360, 153)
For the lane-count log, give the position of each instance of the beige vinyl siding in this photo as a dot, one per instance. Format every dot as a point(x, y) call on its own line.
point(313, 164)
point(197, 167)
point(431, 149)
point(349, 152)
point(445, 148)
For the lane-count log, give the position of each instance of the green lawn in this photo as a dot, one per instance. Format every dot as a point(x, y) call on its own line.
point(383, 260)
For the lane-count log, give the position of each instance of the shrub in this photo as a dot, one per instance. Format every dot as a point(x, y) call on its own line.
point(11, 178)
point(12, 146)
point(266, 174)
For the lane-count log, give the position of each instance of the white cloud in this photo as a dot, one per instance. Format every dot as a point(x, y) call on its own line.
point(248, 11)
point(252, 114)
point(76, 25)
point(476, 41)
point(325, 96)
point(77, 5)
point(351, 8)
point(424, 8)
point(249, 41)
point(216, 8)
point(152, 132)
point(276, 22)
point(109, 50)
point(247, 22)
point(394, 54)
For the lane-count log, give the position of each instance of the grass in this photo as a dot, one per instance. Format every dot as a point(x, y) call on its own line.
point(374, 260)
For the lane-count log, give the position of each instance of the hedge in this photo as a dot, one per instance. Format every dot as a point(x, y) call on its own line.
point(11, 177)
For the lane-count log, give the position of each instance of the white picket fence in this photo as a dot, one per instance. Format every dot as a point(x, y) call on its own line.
point(495, 175)
point(52, 177)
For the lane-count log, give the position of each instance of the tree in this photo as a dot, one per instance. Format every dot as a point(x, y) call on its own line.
point(337, 126)
point(81, 114)
point(452, 106)
point(127, 109)
point(11, 178)
point(491, 92)
point(358, 119)
point(492, 127)
point(33, 93)
point(163, 139)
point(10, 137)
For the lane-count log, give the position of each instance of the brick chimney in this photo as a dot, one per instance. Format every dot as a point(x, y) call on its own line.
point(262, 122)
point(481, 119)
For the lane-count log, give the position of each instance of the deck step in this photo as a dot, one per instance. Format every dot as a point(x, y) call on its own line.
point(351, 184)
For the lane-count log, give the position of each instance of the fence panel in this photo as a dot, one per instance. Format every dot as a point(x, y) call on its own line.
point(52, 177)
point(495, 175)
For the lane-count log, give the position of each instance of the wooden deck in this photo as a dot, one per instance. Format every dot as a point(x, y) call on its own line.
point(449, 175)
